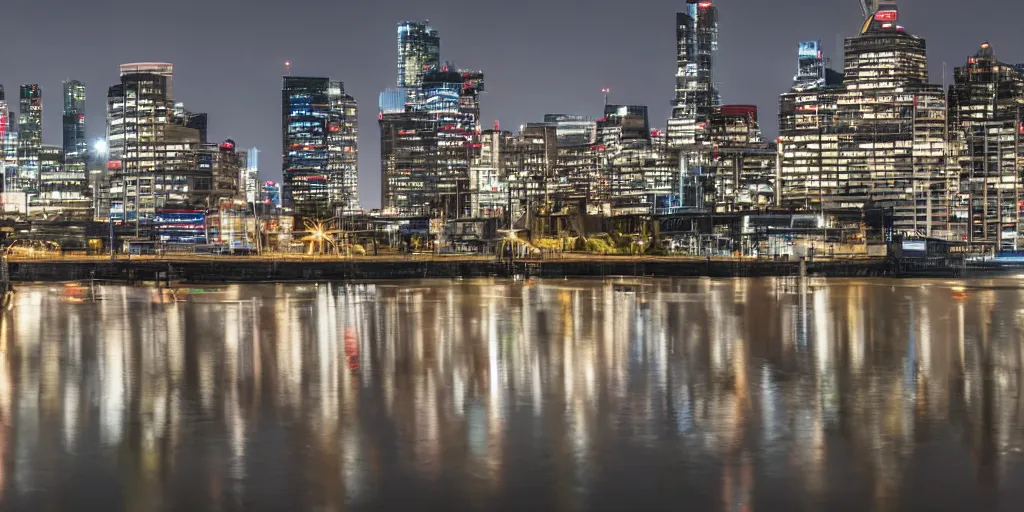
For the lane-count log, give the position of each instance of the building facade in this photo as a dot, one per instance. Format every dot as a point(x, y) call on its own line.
point(76, 146)
point(419, 50)
point(430, 128)
point(8, 143)
point(808, 148)
point(696, 94)
point(30, 137)
point(143, 142)
point(876, 141)
point(320, 147)
point(985, 107)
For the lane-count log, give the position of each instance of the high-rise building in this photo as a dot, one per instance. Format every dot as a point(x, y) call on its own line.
point(251, 176)
point(643, 180)
point(76, 146)
point(892, 128)
point(454, 127)
point(876, 141)
point(696, 94)
point(808, 137)
point(320, 147)
point(487, 181)
point(531, 164)
point(224, 166)
point(66, 192)
point(343, 144)
point(164, 69)
point(985, 111)
point(743, 164)
point(63, 189)
point(30, 136)
point(153, 156)
point(419, 50)
point(139, 110)
point(8, 143)
point(428, 139)
point(812, 68)
point(5, 117)
point(408, 185)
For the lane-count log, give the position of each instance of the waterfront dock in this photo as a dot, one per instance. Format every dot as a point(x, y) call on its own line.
point(229, 269)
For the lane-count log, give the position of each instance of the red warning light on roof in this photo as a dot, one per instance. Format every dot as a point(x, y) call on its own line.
point(887, 15)
point(704, 5)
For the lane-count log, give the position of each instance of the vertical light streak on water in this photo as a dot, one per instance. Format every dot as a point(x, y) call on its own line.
point(114, 380)
point(234, 344)
point(72, 379)
point(325, 317)
point(27, 324)
point(855, 321)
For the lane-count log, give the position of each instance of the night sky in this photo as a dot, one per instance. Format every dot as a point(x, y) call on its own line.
point(538, 56)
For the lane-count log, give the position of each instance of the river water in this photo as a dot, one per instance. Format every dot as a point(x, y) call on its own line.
point(659, 394)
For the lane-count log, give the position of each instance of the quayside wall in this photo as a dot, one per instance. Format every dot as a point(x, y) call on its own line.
point(262, 271)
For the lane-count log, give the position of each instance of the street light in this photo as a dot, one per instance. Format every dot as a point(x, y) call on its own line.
point(100, 147)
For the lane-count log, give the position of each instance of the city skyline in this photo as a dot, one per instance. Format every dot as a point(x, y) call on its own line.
point(230, 87)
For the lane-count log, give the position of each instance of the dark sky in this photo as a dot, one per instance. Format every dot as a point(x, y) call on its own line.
point(538, 55)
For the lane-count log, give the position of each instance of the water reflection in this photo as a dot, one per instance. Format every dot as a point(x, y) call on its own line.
point(574, 395)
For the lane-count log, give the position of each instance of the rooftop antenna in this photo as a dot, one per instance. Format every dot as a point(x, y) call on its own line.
point(606, 91)
point(288, 68)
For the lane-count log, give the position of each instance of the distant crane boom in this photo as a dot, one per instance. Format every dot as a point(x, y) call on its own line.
point(866, 7)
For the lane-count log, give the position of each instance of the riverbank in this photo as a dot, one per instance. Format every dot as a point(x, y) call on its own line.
point(256, 270)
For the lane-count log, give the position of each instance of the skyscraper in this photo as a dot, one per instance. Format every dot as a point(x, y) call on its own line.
point(152, 160)
point(30, 136)
point(808, 140)
point(892, 126)
point(812, 68)
point(408, 185)
point(882, 143)
point(428, 139)
point(985, 108)
point(8, 143)
point(343, 144)
point(320, 146)
point(696, 93)
point(419, 50)
point(443, 91)
point(251, 176)
point(76, 146)
point(164, 69)
point(5, 119)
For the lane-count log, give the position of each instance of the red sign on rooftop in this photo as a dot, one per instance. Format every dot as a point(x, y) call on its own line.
point(887, 16)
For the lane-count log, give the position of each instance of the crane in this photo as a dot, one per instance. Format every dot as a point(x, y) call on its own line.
point(866, 7)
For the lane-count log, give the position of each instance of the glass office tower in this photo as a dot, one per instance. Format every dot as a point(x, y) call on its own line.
point(696, 95)
point(320, 147)
point(419, 50)
point(30, 137)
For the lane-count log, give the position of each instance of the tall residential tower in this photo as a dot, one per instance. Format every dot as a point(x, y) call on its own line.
point(696, 94)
